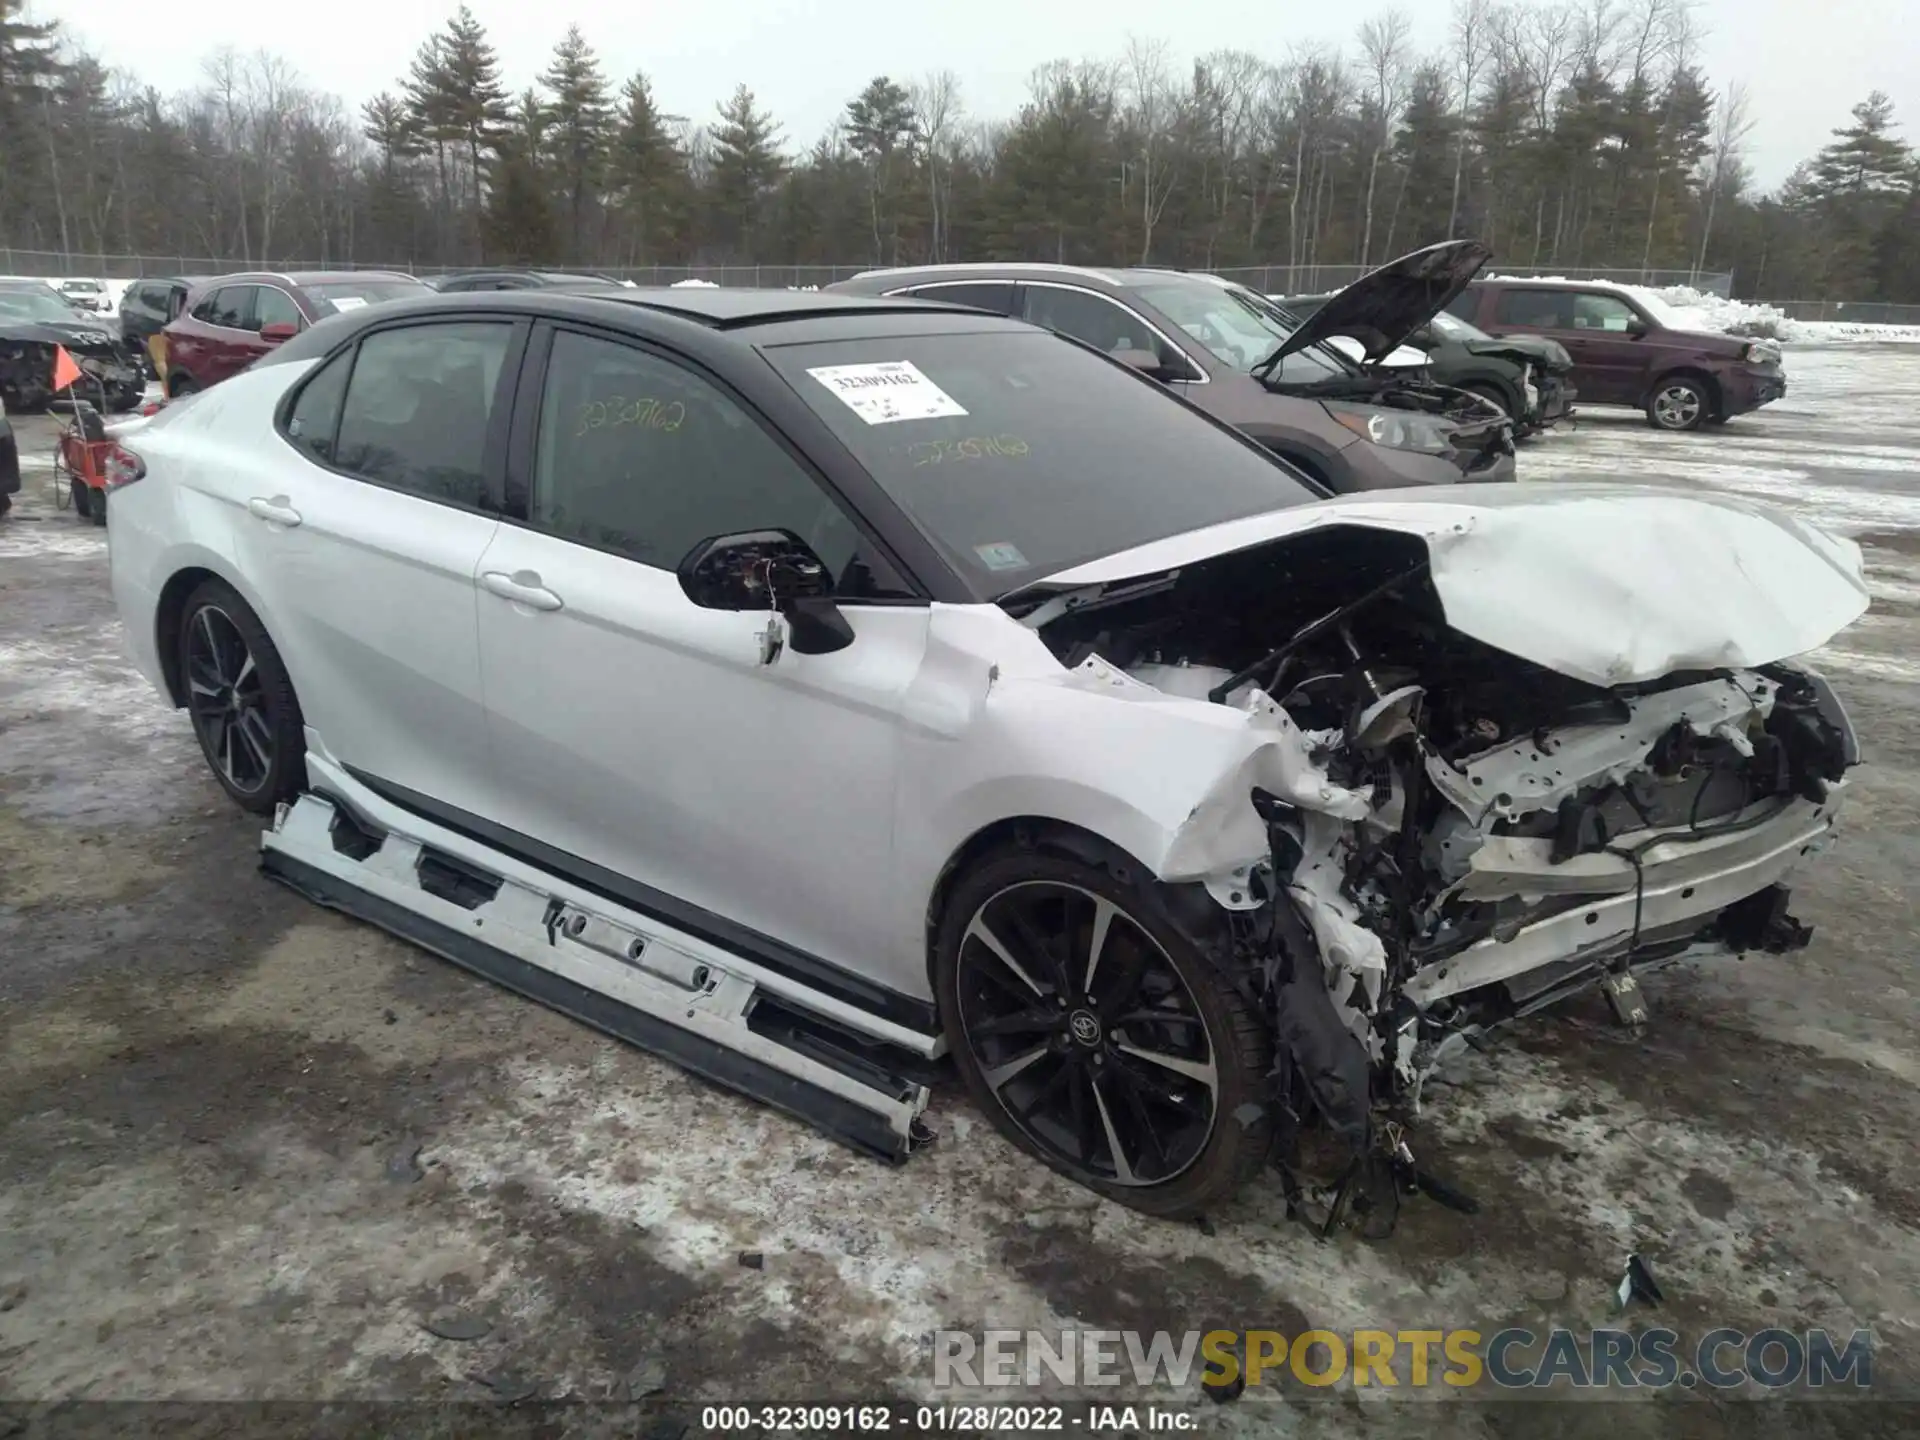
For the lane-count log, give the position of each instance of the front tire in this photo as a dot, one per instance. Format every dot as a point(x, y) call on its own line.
point(240, 699)
point(82, 496)
point(1493, 397)
point(1679, 404)
point(179, 384)
point(1097, 1035)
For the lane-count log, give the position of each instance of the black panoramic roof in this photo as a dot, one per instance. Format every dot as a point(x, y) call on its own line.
point(726, 308)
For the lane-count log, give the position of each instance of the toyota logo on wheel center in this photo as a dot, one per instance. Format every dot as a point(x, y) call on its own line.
point(1085, 1026)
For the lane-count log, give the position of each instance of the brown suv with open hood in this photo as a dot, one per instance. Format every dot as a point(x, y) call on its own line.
point(1624, 353)
point(1349, 425)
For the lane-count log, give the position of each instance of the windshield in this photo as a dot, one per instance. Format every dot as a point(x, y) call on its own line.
point(335, 296)
point(1238, 326)
point(1452, 328)
point(43, 304)
point(1020, 454)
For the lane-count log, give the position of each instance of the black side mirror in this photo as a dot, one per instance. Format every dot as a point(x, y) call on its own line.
point(773, 570)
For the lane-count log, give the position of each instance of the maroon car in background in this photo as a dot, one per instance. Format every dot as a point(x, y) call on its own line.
point(1625, 354)
point(229, 322)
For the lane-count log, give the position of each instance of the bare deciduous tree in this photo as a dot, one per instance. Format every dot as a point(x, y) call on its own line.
point(1384, 52)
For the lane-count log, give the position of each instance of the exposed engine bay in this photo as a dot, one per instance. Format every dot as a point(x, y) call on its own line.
point(1394, 391)
point(1460, 836)
point(110, 370)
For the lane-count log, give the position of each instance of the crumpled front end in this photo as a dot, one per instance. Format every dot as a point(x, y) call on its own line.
point(1429, 836)
point(109, 369)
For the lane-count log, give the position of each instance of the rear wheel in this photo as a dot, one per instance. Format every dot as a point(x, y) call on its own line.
point(178, 385)
point(245, 714)
point(98, 500)
point(1095, 1033)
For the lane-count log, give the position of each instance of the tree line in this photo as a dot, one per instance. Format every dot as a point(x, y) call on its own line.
point(1564, 134)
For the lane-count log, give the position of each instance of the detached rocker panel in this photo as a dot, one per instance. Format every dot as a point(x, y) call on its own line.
point(856, 1076)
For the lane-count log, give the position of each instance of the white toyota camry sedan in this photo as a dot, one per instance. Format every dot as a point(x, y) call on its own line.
point(806, 687)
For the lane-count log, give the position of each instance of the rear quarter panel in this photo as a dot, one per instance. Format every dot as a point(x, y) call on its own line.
point(186, 513)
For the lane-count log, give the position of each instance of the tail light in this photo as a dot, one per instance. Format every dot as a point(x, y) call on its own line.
point(121, 467)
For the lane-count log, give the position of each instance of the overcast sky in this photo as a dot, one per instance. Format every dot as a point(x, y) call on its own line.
point(1804, 62)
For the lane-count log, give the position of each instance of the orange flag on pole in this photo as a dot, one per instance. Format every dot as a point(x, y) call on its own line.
point(65, 372)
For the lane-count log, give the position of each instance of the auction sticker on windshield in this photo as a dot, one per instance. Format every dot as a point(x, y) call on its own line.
point(348, 302)
point(889, 391)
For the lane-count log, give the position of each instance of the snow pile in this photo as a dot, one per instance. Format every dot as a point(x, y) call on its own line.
point(1681, 307)
point(702, 284)
point(1684, 308)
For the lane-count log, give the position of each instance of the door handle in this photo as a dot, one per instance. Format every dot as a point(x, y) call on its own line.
point(523, 587)
point(275, 511)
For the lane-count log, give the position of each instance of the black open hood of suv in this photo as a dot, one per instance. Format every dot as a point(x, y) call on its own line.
point(1383, 308)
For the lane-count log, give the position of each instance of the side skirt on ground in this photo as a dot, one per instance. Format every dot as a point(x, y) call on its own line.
point(712, 1012)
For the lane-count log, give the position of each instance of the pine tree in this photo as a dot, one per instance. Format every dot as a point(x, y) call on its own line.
point(880, 128)
point(578, 119)
point(389, 126)
point(1865, 158)
point(1422, 154)
point(746, 165)
point(1858, 188)
point(465, 101)
point(29, 66)
point(647, 176)
point(1049, 195)
point(519, 217)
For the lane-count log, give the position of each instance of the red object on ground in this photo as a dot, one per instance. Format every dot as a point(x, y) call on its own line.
point(85, 460)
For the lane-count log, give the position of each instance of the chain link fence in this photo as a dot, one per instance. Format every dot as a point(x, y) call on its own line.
point(1268, 279)
point(1856, 312)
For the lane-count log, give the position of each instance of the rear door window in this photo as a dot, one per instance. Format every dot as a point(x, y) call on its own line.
point(230, 307)
point(994, 295)
point(1545, 309)
point(419, 408)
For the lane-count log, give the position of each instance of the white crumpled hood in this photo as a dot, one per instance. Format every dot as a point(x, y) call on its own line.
point(1610, 584)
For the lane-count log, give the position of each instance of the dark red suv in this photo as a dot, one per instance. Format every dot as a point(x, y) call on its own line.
point(230, 322)
point(1624, 352)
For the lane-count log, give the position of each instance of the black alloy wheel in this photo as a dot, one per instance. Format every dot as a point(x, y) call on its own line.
point(1096, 1037)
point(240, 700)
point(226, 701)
